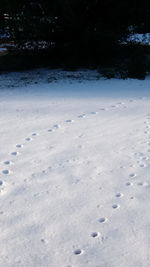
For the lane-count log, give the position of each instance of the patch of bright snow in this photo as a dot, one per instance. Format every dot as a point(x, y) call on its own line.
point(75, 195)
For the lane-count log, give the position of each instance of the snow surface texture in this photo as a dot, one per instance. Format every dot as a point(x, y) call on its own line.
point(75, 184)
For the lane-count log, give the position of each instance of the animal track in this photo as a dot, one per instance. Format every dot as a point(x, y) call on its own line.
point(145, 158)
point(114, 106)
point(43, 240)
point(103, 109)
point(142, 165)
point(119, 195)
point(35, 134)
point(69, 120)
point(94, 112)
point(78, 252)
point(143, 183)
point(5, 171)
point(19, 146)
point(56, 126)
point(95, 234)
point(82, 116)
point(2, 187)
point(120, 103)
point(140, 183)
point(51, 130)
point(28, 139)
point(80, 146)
point(115, 206)
point(129, 184)
point(103, 220)
point(132, 175)
point(7, 162)
point(15, 153)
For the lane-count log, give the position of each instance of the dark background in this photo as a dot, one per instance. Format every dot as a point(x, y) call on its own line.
point(75, 33)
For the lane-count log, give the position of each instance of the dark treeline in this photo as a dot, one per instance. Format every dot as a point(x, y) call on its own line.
point(75, 32)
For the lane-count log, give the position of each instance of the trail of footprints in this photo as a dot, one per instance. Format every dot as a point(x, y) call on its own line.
point(115, 206)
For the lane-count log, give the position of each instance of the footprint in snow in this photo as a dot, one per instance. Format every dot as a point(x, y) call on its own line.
point(82, 116)
point(80, 136)
point(120, 103)
point(104, 109)
point(114, 106)
point(5, 171)
point(129, 184)
point(142, 184)
point(51, 130)
point(138, 154)
point(2, 187)
point(19, 146)
point(15, 153)
point(69, 121)
point(35, 134)
point(115, 206)
point(145, 158)
point(142, 165)
point(80, 146)
point(7, 162)
point(119, 195)
point(95, 234)
point(78, 251)
point(94, 112)
point(28, 139)
point(103, 220)
point(43, 241)
point(57, 126)
point(132, 175)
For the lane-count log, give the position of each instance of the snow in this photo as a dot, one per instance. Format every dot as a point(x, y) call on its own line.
point(75, 161)
point(141, 38)
point(4, 36)
point(3, 49)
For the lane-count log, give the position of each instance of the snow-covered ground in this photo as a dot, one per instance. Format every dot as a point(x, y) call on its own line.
point(75, 162)
point(3, 49)
point(140, 38)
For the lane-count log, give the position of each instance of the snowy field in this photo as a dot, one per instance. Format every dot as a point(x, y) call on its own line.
point(75, 170)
